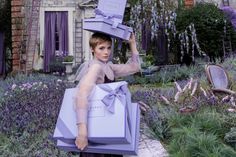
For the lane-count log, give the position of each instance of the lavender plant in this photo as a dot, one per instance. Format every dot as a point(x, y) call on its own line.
point(28, 115)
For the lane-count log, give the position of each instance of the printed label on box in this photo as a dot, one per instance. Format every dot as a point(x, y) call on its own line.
point(96, 110)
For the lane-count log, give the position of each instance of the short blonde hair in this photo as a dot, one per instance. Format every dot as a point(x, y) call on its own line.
point(98, 38)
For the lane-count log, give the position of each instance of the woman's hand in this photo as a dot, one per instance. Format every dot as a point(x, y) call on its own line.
point(132, 39)
point(81, 140)
point(132, 44)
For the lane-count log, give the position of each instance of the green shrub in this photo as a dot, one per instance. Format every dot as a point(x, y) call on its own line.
point(68, 59)
point(198, 135)
point(56, 65)
point(208, 20)
point(230, 137)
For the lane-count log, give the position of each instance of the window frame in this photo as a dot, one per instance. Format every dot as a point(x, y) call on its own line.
point(71, 29)
point(225, 2)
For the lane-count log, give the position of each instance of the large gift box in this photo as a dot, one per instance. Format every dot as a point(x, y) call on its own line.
point(122, 149)
point(108, 19)
point(108, 116)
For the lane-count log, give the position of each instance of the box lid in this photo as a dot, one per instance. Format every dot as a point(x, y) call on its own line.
point(109, 22)
point(112, 9)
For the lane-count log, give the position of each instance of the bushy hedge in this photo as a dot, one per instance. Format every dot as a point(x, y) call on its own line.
point(208, 20)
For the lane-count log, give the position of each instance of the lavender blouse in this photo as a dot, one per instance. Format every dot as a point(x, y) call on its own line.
point(94, 72)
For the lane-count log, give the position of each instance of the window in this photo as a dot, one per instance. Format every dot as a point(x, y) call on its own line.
point(225, 2)
point(70, 11)
point(56, 40)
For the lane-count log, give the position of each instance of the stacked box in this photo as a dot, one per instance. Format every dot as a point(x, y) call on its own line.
point(121, 149)
point(104, 126)
point(108, 19)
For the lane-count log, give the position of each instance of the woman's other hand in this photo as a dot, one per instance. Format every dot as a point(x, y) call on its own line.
point(132, 39)
point(132, 44)
point(81, 140)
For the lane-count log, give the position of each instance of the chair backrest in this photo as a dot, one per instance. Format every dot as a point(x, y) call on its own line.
point(217, 76)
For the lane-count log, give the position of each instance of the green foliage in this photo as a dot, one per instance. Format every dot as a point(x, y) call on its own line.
point(68, 59)
point(209, 24)
point(167, 75)
point(133, 2)
point(57, 66)
point(157, 118)
point(148, 60)
point(198, 135)
point(230, 137)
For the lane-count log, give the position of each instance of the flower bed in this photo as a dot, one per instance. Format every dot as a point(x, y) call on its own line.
point(28, 114)
point(189, 119)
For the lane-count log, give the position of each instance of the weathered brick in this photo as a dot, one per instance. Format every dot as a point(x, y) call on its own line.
point(16, 9)
point(17, 14)
point(17, 20)
point(17, 38)
point(16, 2)
point(15, 51)
point(16, 56)
point(16, 62)
point(17, 26)
point(17, 32)
point(16, 44)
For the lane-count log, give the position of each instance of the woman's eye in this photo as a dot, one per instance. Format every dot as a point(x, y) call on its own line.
point(109, 48)
point(101, 48)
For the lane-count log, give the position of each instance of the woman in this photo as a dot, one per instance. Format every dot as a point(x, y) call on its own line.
point(97, 71)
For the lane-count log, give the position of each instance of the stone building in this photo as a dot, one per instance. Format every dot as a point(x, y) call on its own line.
point(36, 31)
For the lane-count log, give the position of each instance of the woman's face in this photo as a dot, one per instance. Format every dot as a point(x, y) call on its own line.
point(102, 51)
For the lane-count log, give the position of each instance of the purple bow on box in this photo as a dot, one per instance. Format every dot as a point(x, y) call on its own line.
point(122, 93)
point(119, 92)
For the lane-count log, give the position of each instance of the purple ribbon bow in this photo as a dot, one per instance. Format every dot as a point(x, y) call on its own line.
point(119, 92)
point(109, 16)
point(123, 94)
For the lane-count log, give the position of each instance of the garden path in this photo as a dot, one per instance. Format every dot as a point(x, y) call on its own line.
point(148, 145)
